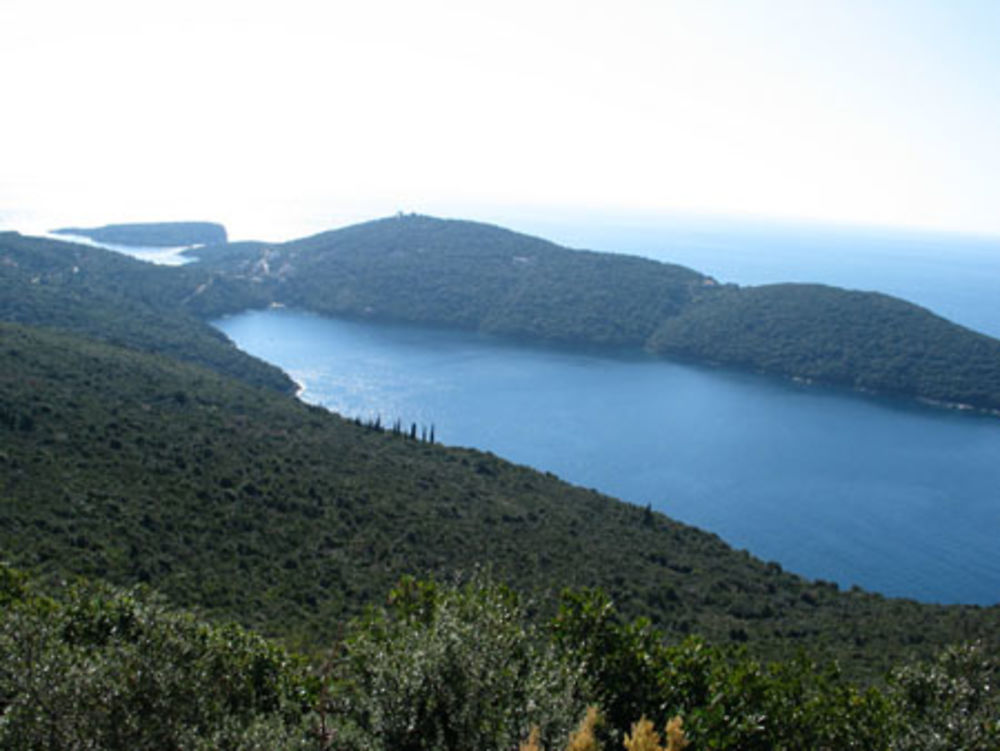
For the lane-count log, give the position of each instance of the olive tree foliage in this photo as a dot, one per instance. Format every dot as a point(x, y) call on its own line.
point(105, 669)
point(724, 697)
point(448, 668)
point(451, 669)
point(950, 704)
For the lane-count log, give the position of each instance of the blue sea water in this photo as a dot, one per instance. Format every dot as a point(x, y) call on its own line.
point(893, 497)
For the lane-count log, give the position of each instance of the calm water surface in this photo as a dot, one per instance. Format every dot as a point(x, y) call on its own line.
point(895, 498)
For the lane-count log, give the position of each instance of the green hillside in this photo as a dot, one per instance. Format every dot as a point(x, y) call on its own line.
point(862, 340)
point(480, 277)
point(246, 504)
point(138, 446)
point(476, 276)
point(118, 299)
point(469, 275)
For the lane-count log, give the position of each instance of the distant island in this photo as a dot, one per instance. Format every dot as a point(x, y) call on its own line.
point(152, 234)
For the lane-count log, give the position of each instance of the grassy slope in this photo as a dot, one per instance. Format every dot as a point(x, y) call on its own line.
point(248, 504)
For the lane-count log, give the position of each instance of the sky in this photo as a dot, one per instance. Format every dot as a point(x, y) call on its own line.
point(874, 112)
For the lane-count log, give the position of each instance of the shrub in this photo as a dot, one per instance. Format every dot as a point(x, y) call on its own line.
point(952, 703)
point(451, 669)
point(727, 699)
point(105, 669)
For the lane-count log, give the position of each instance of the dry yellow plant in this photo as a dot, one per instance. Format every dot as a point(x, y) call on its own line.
point(582, 739)
point(676, 740)
point(643, 737)
point(532, 743)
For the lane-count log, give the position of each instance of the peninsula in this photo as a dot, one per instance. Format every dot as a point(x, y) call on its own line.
point(480, 277)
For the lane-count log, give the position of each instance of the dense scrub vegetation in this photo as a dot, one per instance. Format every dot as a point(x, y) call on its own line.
point(152, 234)
point(447, 668)
point(98, 668)
point(862, 340)
point(247, 504)
point(108, 296)
point(474, 276)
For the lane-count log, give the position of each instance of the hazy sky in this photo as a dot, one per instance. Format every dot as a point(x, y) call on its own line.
point(876, 111)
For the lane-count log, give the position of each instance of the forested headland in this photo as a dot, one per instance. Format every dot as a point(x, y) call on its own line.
point(480, 277)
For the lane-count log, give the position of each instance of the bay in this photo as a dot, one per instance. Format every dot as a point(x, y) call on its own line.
point(887, 495)
point(883, 494)
point(162, 256)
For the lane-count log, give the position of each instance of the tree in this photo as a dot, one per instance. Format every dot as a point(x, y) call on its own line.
point(452, 669)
